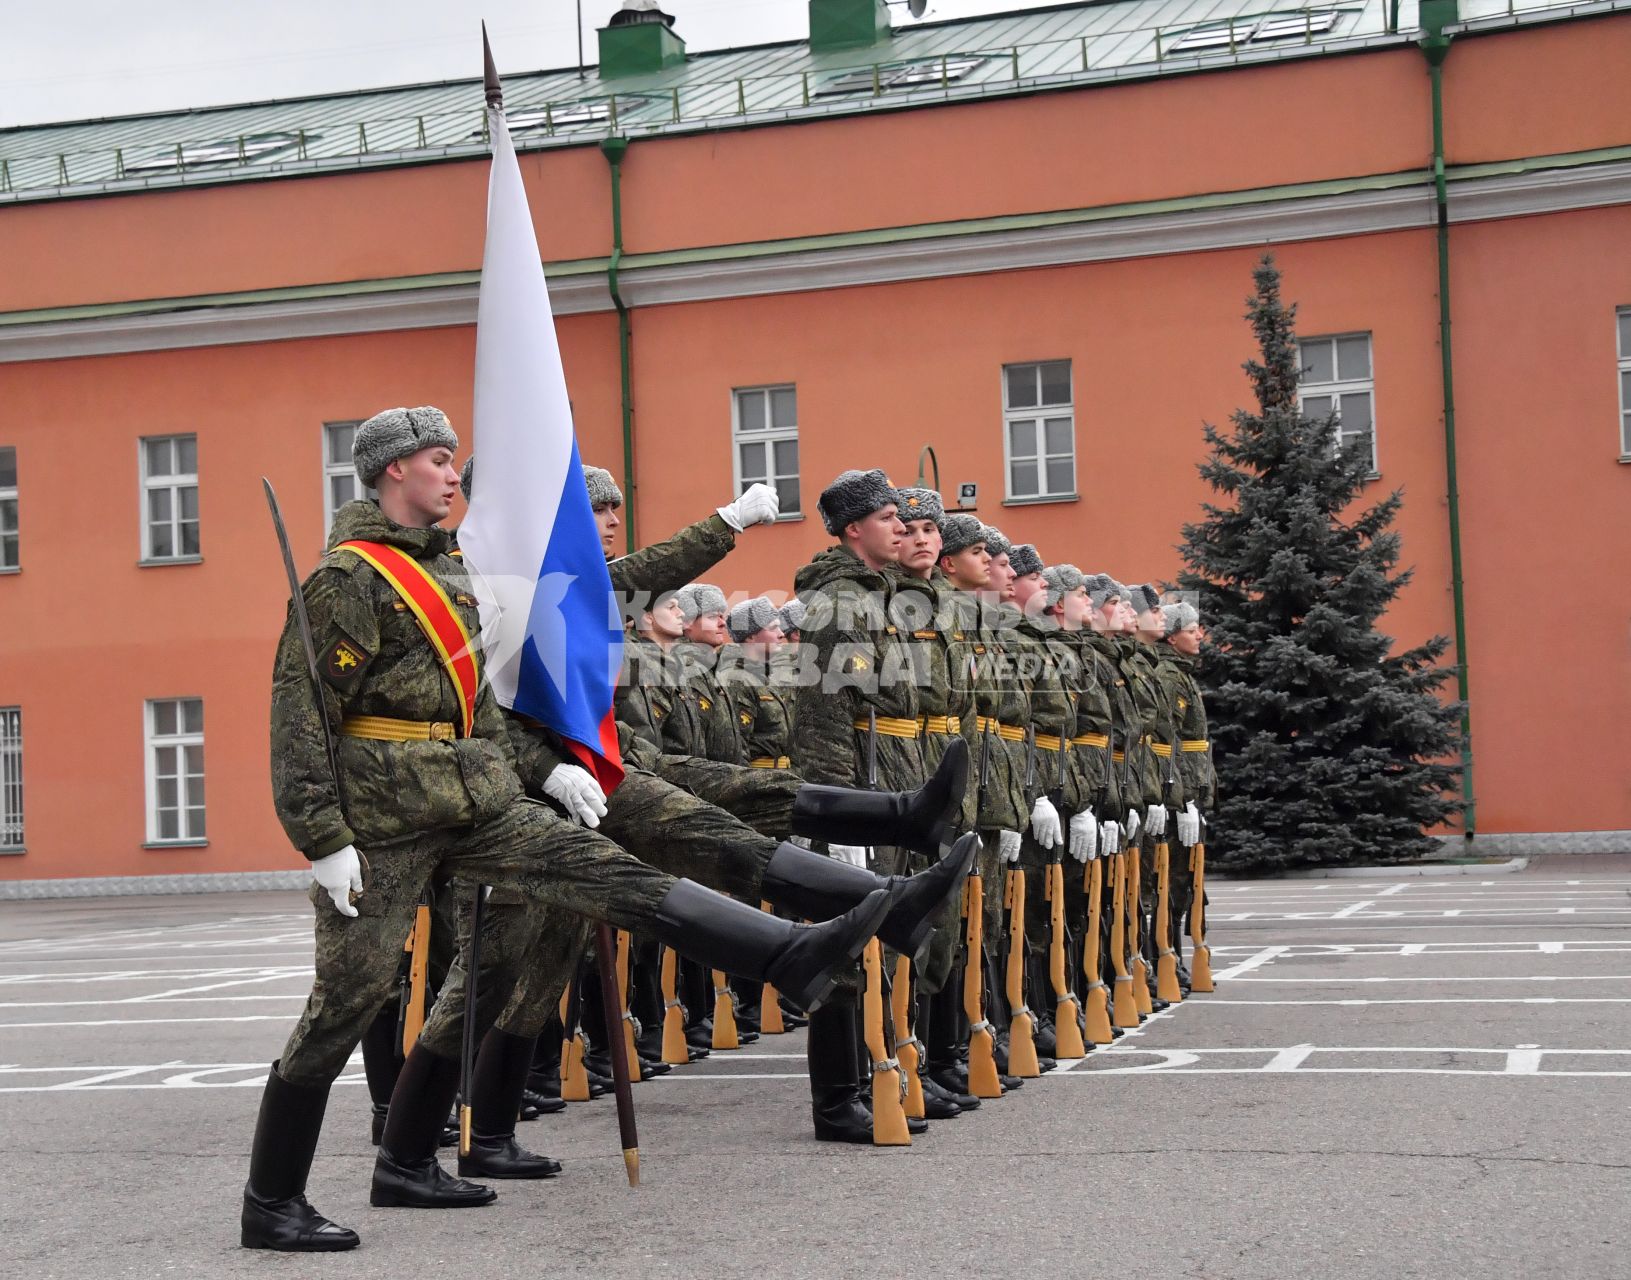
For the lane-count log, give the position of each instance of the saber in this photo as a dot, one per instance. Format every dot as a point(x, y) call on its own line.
point(467, 1049)
point(611, 1000)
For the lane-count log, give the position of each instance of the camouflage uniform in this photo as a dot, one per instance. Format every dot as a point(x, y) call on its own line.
point(762, 706)
point(1047, 672)
point(1176, 672)
point(411, 808)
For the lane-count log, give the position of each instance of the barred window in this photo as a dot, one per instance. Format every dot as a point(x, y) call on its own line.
point(765, 441)
point(1039, 430)
point(170, 498)
point(1336, 378)
point(11, 779)
point(175, 770)
point(9, 560)
point(340, 483)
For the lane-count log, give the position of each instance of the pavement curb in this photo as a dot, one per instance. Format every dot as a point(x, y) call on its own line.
point(1408, 870)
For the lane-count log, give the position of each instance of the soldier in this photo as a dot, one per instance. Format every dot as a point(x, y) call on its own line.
point(424, 782)
point(1175, 668)
point(763, 705)
point(703, 609)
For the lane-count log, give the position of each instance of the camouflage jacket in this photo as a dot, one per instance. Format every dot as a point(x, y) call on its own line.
point(1136, 776)
point(1048, 665)
point(1095, 715)
point(975, 647)
point(925, 614)
point(375, 661)
point(862, 666)
point(649, 697)
point(763, 708)
point(1176, 672)
point(668, 565)
point(713, 733)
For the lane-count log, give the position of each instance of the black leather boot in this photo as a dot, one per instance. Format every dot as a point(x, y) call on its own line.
point(406, 1173)
point(938, 1023)
point(1039, 995)
point(835, 1091)
point(381, 1060)
point(543, 1092)
point(721, 933)
point(818, 887)
point(923, 820)
point(496, 1086)
point(276, 1214)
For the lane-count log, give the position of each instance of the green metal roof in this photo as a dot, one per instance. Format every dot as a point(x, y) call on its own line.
point(1027, 51)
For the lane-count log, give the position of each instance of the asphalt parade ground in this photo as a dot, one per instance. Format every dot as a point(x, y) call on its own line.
point(1397, 1077)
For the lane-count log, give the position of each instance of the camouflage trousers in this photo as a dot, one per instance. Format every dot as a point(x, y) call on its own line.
point(527, 848)
point(762, 798)
point(530, 951)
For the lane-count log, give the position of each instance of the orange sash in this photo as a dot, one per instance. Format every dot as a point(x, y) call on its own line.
point(438, 619)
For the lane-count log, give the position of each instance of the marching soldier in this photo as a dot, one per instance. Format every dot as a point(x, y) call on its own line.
point(421, 780)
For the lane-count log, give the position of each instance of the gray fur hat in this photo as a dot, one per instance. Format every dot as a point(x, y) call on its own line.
point(959, 532)
point(699, 598)
point(1179, 616)
point(854, 496)
point(397, 433)
point(1143, 597)
point(603, 490)
point(1024, 558)
point(921, 504)
point(467, 476)
point(792, 614)
point(751, 616)
point(1101, 587)
point(1060, 578)
point(997, 544)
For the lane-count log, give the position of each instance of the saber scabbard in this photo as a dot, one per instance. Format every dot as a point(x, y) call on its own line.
point(472, 983)
point(612, 998)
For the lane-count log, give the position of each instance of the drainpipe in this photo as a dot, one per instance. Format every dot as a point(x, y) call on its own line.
point(1435, 14)
point(614, 149)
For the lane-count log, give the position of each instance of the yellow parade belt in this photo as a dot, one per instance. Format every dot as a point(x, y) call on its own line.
point(1007, 732)
point(770, 762)
point(1048, 741)
point(942, 724)
point(1195, 744)
point(385, 729)
point(1090, 740)
point(1162, 749)
point(892, 726)
point(1120, 757)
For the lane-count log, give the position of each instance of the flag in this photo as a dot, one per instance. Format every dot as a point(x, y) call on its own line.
point(551, 638)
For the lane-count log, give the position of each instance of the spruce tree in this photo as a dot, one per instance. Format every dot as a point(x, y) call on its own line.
point(1330, 747)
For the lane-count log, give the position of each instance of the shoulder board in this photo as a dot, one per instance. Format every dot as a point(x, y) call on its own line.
point(925, 635)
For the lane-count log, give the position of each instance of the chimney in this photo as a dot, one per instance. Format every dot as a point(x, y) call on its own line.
point(639, 40)
point(848, 24)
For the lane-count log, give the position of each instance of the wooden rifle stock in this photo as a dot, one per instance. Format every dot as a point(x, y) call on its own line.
point(574, 1074)
point(982, 1059)
point(907, 1050)
point(1067, 1027)
point(1135, 934)
point(1125, 1003)
point(1021, 1026)
point(631, 1031)
point(888, 1116)
point(675, 1048)
point(1098, 1002)
point(418, 948)
point(770, 1005)
point(725, 1036)
point(1166, 959)
point(1200, 968)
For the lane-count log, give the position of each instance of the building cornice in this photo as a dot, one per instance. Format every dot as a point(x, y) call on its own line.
point(1223, 221)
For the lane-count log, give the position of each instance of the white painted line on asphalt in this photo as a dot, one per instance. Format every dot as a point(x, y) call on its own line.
point(1289, 1059)
point(1354, 910)
point(1467, 946)
point(1492, 977)
point(1266, 956)
point(1393, 889)
point(1355, 1002)
point(148, 1022)
point(153, 975)
point(102, 1004)
point(1338, 1071)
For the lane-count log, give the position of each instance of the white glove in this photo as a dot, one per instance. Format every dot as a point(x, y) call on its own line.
point(757, 505)
point(1189, 824)
point(1110, 838)
point(1008, 846)
point(1156, 820)
point(1045, 824)
point(1084, 836)
point(340, 874)
point(1132, 828)
point(853, 854)
point(575, 788)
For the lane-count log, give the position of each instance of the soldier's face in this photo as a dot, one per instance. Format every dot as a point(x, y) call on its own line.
point(877, 538)
point(767, 640)
point(1188, 641)
point(425, 485)
point(1002, 578)
point(921, 547)
point(1104, 617)
point(1030, 593)
point(969, 568)
point(1152, 623)
point(707, 628)
point(608, 522)
point(1075, 609)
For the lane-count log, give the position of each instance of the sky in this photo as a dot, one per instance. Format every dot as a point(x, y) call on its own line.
point(95, 58)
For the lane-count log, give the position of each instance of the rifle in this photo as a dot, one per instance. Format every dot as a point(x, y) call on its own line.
point(1135, 917)
point(770, 1005)
point(1166, 961)
point(1124, 1002)
point(1200, 969)
point(725, 1035)
point(467, 1050)
point(1022, 1060)
point(613, 985)
point(1067, 1028)
point(413, 1004)
point(877, 1011)
point(574, 1074)
point(631, 1024)
point(983, 1081)
point(675, 1048)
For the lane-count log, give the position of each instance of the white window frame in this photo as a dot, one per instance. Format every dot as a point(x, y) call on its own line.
point(1038, 413)
point(344, 469)
point(1622, 329)
point(8, 494)
point(175, 482)
point(11, 780)
point(1339, 387)
point(153, 743)
point(769, 437)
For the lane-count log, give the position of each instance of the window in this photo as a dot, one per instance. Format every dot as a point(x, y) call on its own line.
point(765, 433)
point(1296, 24)
point(899, 75)
point(1039, 430)
point(1337, 379)
point(170, 498)
point(574, 114)
point(340, 483)
point(8, 511)
point(11, 779)
point(219, 153)
point(175, 770)
point(1624, 318)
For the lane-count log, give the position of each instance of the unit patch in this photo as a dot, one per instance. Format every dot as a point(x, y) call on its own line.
point(345, 661)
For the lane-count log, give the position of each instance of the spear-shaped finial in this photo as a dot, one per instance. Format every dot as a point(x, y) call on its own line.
point(489, 74)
